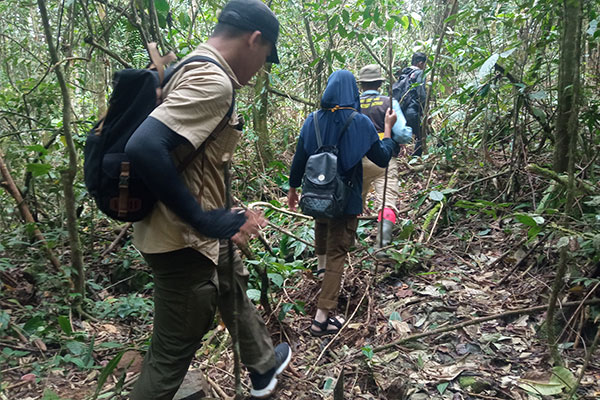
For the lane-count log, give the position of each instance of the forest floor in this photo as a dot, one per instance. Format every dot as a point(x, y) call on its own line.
point(463, 271)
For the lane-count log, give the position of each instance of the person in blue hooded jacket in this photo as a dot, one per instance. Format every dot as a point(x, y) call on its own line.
point(333, 237)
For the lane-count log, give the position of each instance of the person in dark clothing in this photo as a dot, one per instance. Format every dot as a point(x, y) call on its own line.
point(413, 101)
point(184, 237)
point(333, 237)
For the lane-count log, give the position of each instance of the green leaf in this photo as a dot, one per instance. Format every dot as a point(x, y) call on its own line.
point(564, 376)
point(4, 320)
point(436, 195)
point(253, 294)
point(563, 242)
point(285, 308)
point(405, 21)
point(75, 347)
point(277, 279)
point(541, 388)
point(65, 324)
point(345, 16)
point(488, 66)
point(533, 232)
point(106, 371)
point(162, 6)
point(37, 169)
point(34, 324)
point(395, 316)
point(593, 27)
point(526, 220)
point(38, 148)
point(50, 395)
point(328, 385)
point(539, 95)
point(442, 387)
point(368, 352)
point(389, 25)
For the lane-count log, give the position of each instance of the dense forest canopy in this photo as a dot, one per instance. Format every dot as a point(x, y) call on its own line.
point(500, 216)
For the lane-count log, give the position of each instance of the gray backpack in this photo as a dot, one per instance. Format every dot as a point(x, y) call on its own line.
point(324, 191)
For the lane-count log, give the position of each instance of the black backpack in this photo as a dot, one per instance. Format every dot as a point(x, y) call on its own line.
point(324, 191)
point(109, 176)
point(401, 89)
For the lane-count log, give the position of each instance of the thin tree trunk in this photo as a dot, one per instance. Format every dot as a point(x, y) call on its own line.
point(11, 188)
point(449, 11)
point(259, 116)
point(68, 174)
point(566, 141)
point(568, 83)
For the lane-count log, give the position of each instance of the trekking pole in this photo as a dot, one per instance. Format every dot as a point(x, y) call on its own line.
point(385, 182)
point(232, 283)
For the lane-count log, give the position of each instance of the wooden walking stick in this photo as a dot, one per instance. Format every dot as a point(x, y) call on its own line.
point(233, 285)
point(385, 182)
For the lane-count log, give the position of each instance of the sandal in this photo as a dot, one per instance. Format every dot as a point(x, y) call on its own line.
point(320, 273)
point(323, 327)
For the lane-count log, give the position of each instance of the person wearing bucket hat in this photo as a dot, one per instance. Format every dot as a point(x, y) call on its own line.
point(374, 105)
point(185, 238)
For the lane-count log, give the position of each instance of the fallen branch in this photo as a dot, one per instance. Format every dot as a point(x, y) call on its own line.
point(117, 240)
point(584, 186)
point(531, 310)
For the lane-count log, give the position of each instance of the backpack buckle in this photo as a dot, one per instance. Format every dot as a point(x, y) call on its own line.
point(124, 176)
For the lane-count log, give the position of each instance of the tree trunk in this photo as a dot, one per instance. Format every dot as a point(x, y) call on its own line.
point(259, 116)
point(448, 11)
point(568, 84)
point(68, 174)
point(9, 184)
point(566, 141)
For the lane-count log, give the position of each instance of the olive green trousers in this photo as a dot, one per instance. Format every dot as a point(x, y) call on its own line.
point(333, 237)
point(188, 289)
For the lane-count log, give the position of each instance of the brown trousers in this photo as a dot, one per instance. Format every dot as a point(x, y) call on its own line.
point(333, 237)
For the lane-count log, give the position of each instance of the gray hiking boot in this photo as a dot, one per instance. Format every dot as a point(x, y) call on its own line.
point(386, 231)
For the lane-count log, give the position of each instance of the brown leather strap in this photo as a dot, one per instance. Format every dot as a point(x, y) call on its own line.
point(124, 189)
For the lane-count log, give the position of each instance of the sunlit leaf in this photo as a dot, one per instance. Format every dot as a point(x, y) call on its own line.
point(436, 195)
point(487, 67)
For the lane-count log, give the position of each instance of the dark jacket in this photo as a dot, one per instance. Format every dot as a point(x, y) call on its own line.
point(339, 100)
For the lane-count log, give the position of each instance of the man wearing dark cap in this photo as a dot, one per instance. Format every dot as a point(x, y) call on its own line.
point(374, 105)
point(184, 239)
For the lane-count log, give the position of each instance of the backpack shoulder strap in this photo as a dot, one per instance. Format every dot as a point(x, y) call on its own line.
point(347, 124)
point(317, 130)
point(221, 124)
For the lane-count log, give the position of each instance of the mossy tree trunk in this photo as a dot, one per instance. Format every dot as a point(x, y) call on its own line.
point(68, 174)
point(566, 140)
point(568, 84)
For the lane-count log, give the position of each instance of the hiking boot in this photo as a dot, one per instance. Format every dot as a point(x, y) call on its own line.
point(263, 385)
point(386, 230)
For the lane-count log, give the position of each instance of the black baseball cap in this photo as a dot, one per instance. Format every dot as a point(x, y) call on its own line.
point(253, 15)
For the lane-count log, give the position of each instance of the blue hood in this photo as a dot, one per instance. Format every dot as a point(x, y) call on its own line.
point(341, 91)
